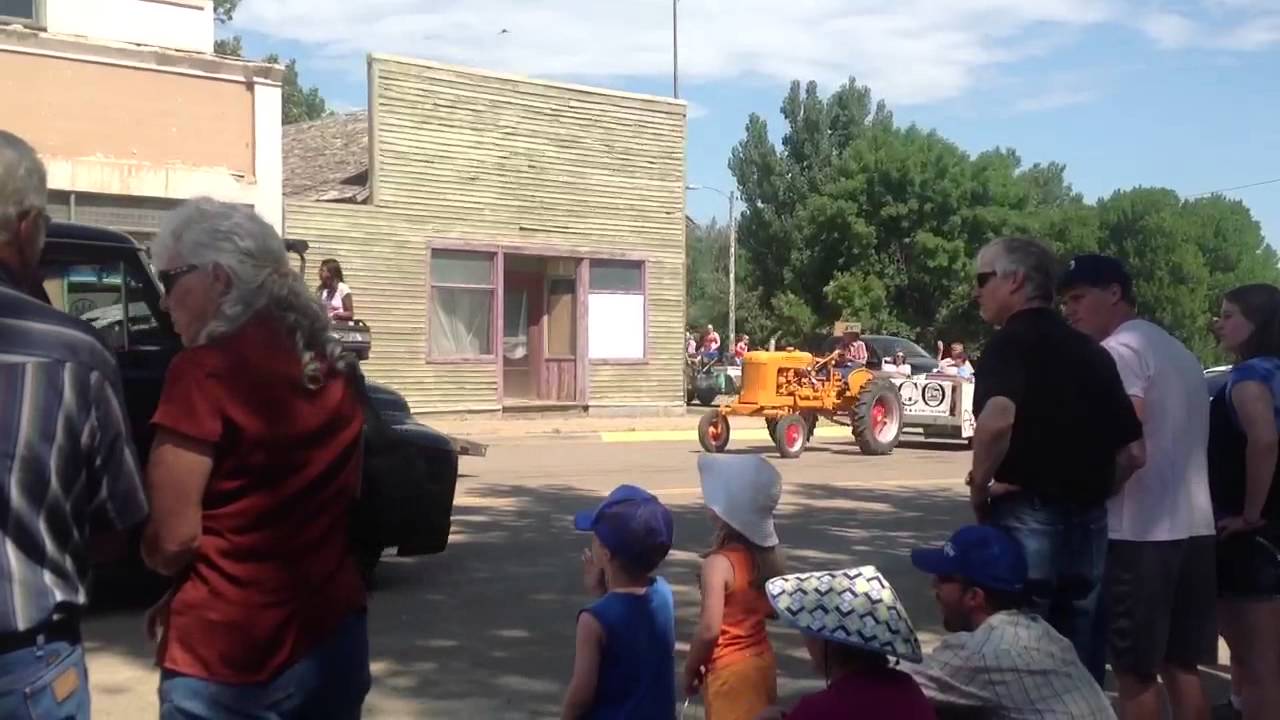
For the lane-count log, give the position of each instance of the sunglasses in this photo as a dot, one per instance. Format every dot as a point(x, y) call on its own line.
point(169, 278)
point(985, 277)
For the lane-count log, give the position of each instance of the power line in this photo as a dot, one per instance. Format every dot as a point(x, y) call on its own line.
point(1238, 187)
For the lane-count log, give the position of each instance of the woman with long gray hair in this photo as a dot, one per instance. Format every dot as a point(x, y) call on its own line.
point(252, 476)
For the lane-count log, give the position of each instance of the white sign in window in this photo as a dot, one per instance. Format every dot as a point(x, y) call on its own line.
point(615, 326)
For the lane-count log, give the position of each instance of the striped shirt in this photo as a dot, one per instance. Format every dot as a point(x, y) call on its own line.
point(1014, 667)
point(67, 462)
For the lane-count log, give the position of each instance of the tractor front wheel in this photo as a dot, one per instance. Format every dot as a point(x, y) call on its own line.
point(877, 418)
point(790, 435)
point(713, 432)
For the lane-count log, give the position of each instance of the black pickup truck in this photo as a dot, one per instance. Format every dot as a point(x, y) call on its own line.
point(104, 278)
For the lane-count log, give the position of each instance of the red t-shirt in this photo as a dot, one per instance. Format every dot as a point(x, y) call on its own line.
point(273, 574)
point(877, 694)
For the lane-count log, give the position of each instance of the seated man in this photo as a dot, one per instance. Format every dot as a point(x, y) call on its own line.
point(1000, 661)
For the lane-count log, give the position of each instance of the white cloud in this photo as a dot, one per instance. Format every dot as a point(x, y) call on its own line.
point(909, 51)
point(1055, 99)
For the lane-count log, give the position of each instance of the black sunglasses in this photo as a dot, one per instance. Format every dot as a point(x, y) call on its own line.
point(169, 278)
point(985, 277)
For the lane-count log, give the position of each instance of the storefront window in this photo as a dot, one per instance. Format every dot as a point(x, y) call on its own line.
point(462, 290)
point(615, 310)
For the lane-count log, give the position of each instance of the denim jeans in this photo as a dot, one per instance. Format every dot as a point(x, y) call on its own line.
point(47, 682)
point(329, 682)
point(1066, 549)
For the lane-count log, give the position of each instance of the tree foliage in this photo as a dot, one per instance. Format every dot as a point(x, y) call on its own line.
point(855, 217)
point(299, 104)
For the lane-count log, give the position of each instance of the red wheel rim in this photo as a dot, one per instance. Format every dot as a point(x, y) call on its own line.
point(713, 432)
point(793, 436)
point(878, 417)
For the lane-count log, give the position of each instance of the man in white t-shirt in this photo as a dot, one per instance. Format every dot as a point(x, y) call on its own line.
point(1160, 558)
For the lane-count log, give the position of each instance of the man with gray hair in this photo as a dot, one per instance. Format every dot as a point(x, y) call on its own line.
point(1056, 436)
point(66, 461)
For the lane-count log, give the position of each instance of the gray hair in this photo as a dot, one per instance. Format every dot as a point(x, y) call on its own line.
point(23, 183)
point(207, 232)
point(1029, 256)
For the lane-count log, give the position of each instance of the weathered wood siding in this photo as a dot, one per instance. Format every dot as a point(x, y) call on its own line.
point(385, 262)
point(469, 155)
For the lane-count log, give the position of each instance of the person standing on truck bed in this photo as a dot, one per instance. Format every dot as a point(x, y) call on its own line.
point(253, 474)
point(66, 461)
point(334, 292)
point(1056, 436)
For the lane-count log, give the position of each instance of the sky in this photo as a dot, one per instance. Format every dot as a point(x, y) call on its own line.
point(1176, 93)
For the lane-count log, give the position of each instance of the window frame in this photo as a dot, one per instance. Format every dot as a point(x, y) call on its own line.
point(39, 22)
point(643, 292)
point(495, 337)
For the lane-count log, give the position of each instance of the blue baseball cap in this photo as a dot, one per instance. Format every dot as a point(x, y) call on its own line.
point(632, 524)
point(981, 555)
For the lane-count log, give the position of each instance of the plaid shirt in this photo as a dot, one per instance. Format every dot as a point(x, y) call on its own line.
point(1015, 667)
point(66, 457)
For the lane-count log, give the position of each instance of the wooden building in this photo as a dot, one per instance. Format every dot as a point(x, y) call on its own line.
point(513, 243)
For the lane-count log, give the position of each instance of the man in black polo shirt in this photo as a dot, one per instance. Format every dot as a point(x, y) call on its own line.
point(1056, 436)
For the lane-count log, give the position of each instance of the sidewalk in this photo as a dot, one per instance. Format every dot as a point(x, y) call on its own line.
point(508, 431)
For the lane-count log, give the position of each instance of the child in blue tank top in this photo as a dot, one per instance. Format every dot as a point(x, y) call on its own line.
point(624, 657)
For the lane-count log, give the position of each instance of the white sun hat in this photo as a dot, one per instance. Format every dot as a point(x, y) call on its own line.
point(854, 606)
point(743, 490)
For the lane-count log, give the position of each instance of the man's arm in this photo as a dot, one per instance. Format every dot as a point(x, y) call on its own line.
point(119, 501)
point(1000, 389)
point(1132, 457)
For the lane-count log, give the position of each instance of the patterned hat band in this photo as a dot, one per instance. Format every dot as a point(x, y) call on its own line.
point(855, 606)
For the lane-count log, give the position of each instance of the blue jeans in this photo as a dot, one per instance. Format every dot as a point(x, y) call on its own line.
point(48, 682)
point(330, 682)
point(1066, 549)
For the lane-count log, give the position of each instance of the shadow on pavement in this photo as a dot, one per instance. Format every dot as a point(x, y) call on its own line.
point(479, 624)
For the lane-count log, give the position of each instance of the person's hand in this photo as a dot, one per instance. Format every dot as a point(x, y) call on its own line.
point(157, 618)
point(980, 500)
point(592, 575)
point(998, 489)
point(1237, 524)
point(693, 677)
point(942, 347)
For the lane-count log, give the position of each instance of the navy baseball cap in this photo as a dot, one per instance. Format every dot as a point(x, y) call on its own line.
point(632, 524)
point(982, 555)
point(1096, 271)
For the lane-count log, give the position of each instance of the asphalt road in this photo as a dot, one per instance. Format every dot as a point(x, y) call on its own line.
point(485, 630)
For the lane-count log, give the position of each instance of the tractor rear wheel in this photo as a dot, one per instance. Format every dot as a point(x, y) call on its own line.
point(877, 418)
point(791, 435)
point(713, 432)
point(707, 394)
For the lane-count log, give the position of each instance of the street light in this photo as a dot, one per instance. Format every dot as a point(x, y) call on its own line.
point(733, 256)
point(675, 48)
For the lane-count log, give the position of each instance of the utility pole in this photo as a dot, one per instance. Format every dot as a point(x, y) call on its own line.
point(733, 269)
point(675, 48)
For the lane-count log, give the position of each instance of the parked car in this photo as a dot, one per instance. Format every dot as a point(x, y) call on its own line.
point(104, 277)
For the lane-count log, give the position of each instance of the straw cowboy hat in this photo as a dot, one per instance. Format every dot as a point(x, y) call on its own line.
point(743, 490)
point(855, 606)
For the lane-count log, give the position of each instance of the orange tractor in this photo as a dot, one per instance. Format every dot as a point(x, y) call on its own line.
point(791, 391)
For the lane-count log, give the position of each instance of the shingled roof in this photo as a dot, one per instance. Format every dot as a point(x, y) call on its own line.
point(328, 159)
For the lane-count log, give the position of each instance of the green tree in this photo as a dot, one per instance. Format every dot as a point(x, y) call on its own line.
point(223, 12)
point(854, 217)
point(299, 104)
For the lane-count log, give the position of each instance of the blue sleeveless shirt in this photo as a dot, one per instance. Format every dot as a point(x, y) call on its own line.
point(637, 664)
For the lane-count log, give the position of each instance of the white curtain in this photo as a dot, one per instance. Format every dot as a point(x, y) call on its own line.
point(515, 336)
point(460, 322)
